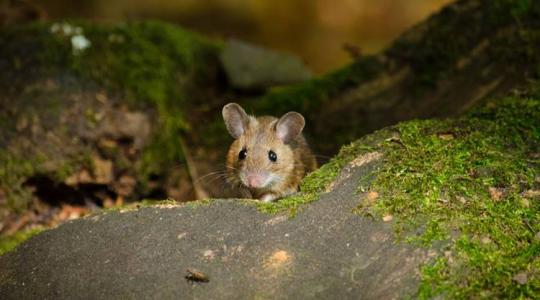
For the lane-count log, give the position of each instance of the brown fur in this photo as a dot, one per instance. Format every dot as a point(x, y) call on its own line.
point(294, 161)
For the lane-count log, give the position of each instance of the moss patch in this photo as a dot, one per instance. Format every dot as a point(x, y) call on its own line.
point(318, 181)
point(149, 64)
point(309, 96)
point(432, 55)
point(8, 243)
point(469, 182)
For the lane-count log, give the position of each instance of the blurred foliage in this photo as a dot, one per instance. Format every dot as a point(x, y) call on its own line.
point(315, 30)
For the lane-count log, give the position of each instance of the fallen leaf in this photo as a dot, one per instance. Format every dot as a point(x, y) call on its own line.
point(486, 240)
point(446, 136)
point(372, 196)
point(103, 170)
point(107, 143)
point(125, 185)
point(521, 278)
point(108, 202)
point(496, 193)
point(101, 97)
point(387, 218)
point(531, 194)
point(82, 176)
point(277, 259)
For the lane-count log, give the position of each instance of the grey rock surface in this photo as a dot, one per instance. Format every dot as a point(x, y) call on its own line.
point(324, 252)
point(251, 67)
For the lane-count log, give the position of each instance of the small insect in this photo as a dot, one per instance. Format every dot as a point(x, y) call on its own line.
point(194, 275)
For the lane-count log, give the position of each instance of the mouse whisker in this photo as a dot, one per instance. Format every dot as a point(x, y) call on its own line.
point(219, 173)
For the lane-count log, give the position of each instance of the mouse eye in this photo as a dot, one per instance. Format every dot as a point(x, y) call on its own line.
point(272, 156)
point(242, 154)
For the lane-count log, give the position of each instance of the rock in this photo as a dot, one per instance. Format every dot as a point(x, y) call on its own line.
point(326, 251)
point(251, 67)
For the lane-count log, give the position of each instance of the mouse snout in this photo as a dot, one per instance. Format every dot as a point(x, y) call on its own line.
point(255, 180)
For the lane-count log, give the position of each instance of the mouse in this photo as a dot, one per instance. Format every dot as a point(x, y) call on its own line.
point(269, 157)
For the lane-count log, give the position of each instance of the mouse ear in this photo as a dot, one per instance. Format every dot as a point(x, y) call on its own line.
point(289, 126)
point(236, 119)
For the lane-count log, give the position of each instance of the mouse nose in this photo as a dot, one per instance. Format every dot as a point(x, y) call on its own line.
point(255, 180)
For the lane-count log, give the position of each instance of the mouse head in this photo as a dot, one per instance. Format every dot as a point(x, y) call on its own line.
point(263, 153)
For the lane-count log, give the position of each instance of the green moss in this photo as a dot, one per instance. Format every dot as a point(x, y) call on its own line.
point(309, 96)
point(13, 172)
point(462, 181)
point(150, 64)
point(8, 243)
point(155, 65)
point(16, 168)
point(433, 55)
point(318, 181)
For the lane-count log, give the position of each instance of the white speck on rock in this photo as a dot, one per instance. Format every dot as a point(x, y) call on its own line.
point(209, 254)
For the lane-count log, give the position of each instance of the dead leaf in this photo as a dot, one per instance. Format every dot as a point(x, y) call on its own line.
point(486, 240)
point(119, 201)
point(277, 260)
point(446, 136)
point(82, 176)
point(70, 212)
point(387, 218)
point(521, 278)
point(108, 202)
point(18, 224)
point(125, 185)
point(101, 97)
point(531, 194)
point(372, 197)
point(21, 124)
point(365, 159)
point(103, 170)
point(496, 194)
point(107, 143)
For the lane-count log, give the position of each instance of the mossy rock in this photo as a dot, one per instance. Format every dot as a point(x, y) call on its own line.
point(120, 99)
point(468, 52)
point(441, 67)
point(250, 67)
point(76, 94)
point(421, 209)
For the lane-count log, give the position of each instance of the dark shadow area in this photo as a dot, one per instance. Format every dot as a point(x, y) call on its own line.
point(57, 193)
